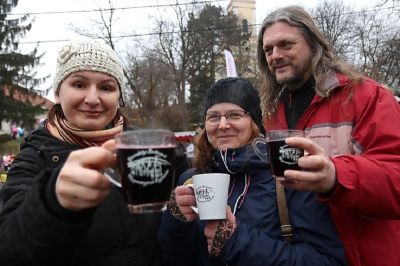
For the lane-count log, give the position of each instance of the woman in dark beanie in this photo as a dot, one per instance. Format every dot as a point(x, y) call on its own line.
point(59, 209)
point(250, 235)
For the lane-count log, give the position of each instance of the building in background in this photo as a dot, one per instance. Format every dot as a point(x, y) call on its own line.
point(26, 97)
point(246, 11)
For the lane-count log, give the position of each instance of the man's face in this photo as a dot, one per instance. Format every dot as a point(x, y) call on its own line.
point(288, 54)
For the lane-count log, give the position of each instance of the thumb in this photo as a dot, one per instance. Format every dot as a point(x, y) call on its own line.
point(110, 145)
point(230, 217)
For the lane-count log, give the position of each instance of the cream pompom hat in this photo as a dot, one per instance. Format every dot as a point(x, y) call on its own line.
point(87, 55)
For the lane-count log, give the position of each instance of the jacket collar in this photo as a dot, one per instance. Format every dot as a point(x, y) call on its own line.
point(241, 160)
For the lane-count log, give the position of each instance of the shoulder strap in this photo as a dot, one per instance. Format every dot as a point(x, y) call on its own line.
point(286, 226)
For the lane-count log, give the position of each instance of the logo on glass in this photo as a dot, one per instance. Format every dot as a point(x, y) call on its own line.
point(289, 155)
point(151, 164)
point(204, 194)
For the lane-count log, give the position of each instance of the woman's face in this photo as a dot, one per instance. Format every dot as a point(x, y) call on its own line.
point(89, 100)
point(232, 133)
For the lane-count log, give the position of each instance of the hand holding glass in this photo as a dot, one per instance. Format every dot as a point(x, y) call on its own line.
point(279, 155)
point(146, 168)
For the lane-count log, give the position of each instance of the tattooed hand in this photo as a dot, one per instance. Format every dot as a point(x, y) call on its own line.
point(218, 232)
point(179, 204)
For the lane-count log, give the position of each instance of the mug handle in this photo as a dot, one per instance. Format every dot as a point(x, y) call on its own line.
point(113, 176)
point(194, 208)
point(262, 155)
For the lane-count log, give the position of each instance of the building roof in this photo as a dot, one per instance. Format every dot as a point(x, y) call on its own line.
point(27, 96)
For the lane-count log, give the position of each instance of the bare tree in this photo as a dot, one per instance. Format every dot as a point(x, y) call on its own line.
point(172, 42)
point(379, 53)
point(389, 61)
point(157, 74)
point(144, 85)
point(191, 46)
point(336, 21)
point(102, 26)
point(384, 2)
point(365, 38)
point(152, 89)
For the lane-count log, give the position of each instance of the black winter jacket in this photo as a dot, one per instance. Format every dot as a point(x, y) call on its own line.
point(36, 230)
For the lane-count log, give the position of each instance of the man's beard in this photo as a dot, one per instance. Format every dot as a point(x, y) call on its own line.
point(292, 80)
point(289, 80)
point(286, 80)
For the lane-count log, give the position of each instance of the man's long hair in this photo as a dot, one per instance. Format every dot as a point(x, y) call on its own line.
point(323, 64)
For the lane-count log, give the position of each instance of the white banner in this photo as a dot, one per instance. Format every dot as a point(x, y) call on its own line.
point(230, 64)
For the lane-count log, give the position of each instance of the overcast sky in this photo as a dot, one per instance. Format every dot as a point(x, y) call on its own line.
point(52, 28)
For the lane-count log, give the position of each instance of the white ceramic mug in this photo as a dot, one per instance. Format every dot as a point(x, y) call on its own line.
point(211, 193)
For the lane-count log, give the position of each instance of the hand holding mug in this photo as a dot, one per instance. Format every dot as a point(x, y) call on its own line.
point(279, 155)
point(318, 174)
point(185, 199)
point(80, 183)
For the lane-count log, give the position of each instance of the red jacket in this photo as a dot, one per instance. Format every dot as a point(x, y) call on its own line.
point(359, 127)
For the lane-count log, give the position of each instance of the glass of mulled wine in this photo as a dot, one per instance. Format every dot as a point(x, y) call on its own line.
point(277, 153)
point(146, 169)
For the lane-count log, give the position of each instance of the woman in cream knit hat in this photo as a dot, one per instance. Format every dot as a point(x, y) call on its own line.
point(59, 209)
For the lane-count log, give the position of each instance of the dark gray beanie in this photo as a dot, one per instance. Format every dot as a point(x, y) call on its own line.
point(238, 91)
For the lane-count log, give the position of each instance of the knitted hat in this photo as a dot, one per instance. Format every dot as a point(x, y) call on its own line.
point(86, 55)
point(238, 91)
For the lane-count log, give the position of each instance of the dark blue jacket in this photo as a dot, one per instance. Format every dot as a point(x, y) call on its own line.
point(257, 239)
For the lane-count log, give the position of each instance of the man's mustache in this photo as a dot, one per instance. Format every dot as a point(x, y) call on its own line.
point(280, 64)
